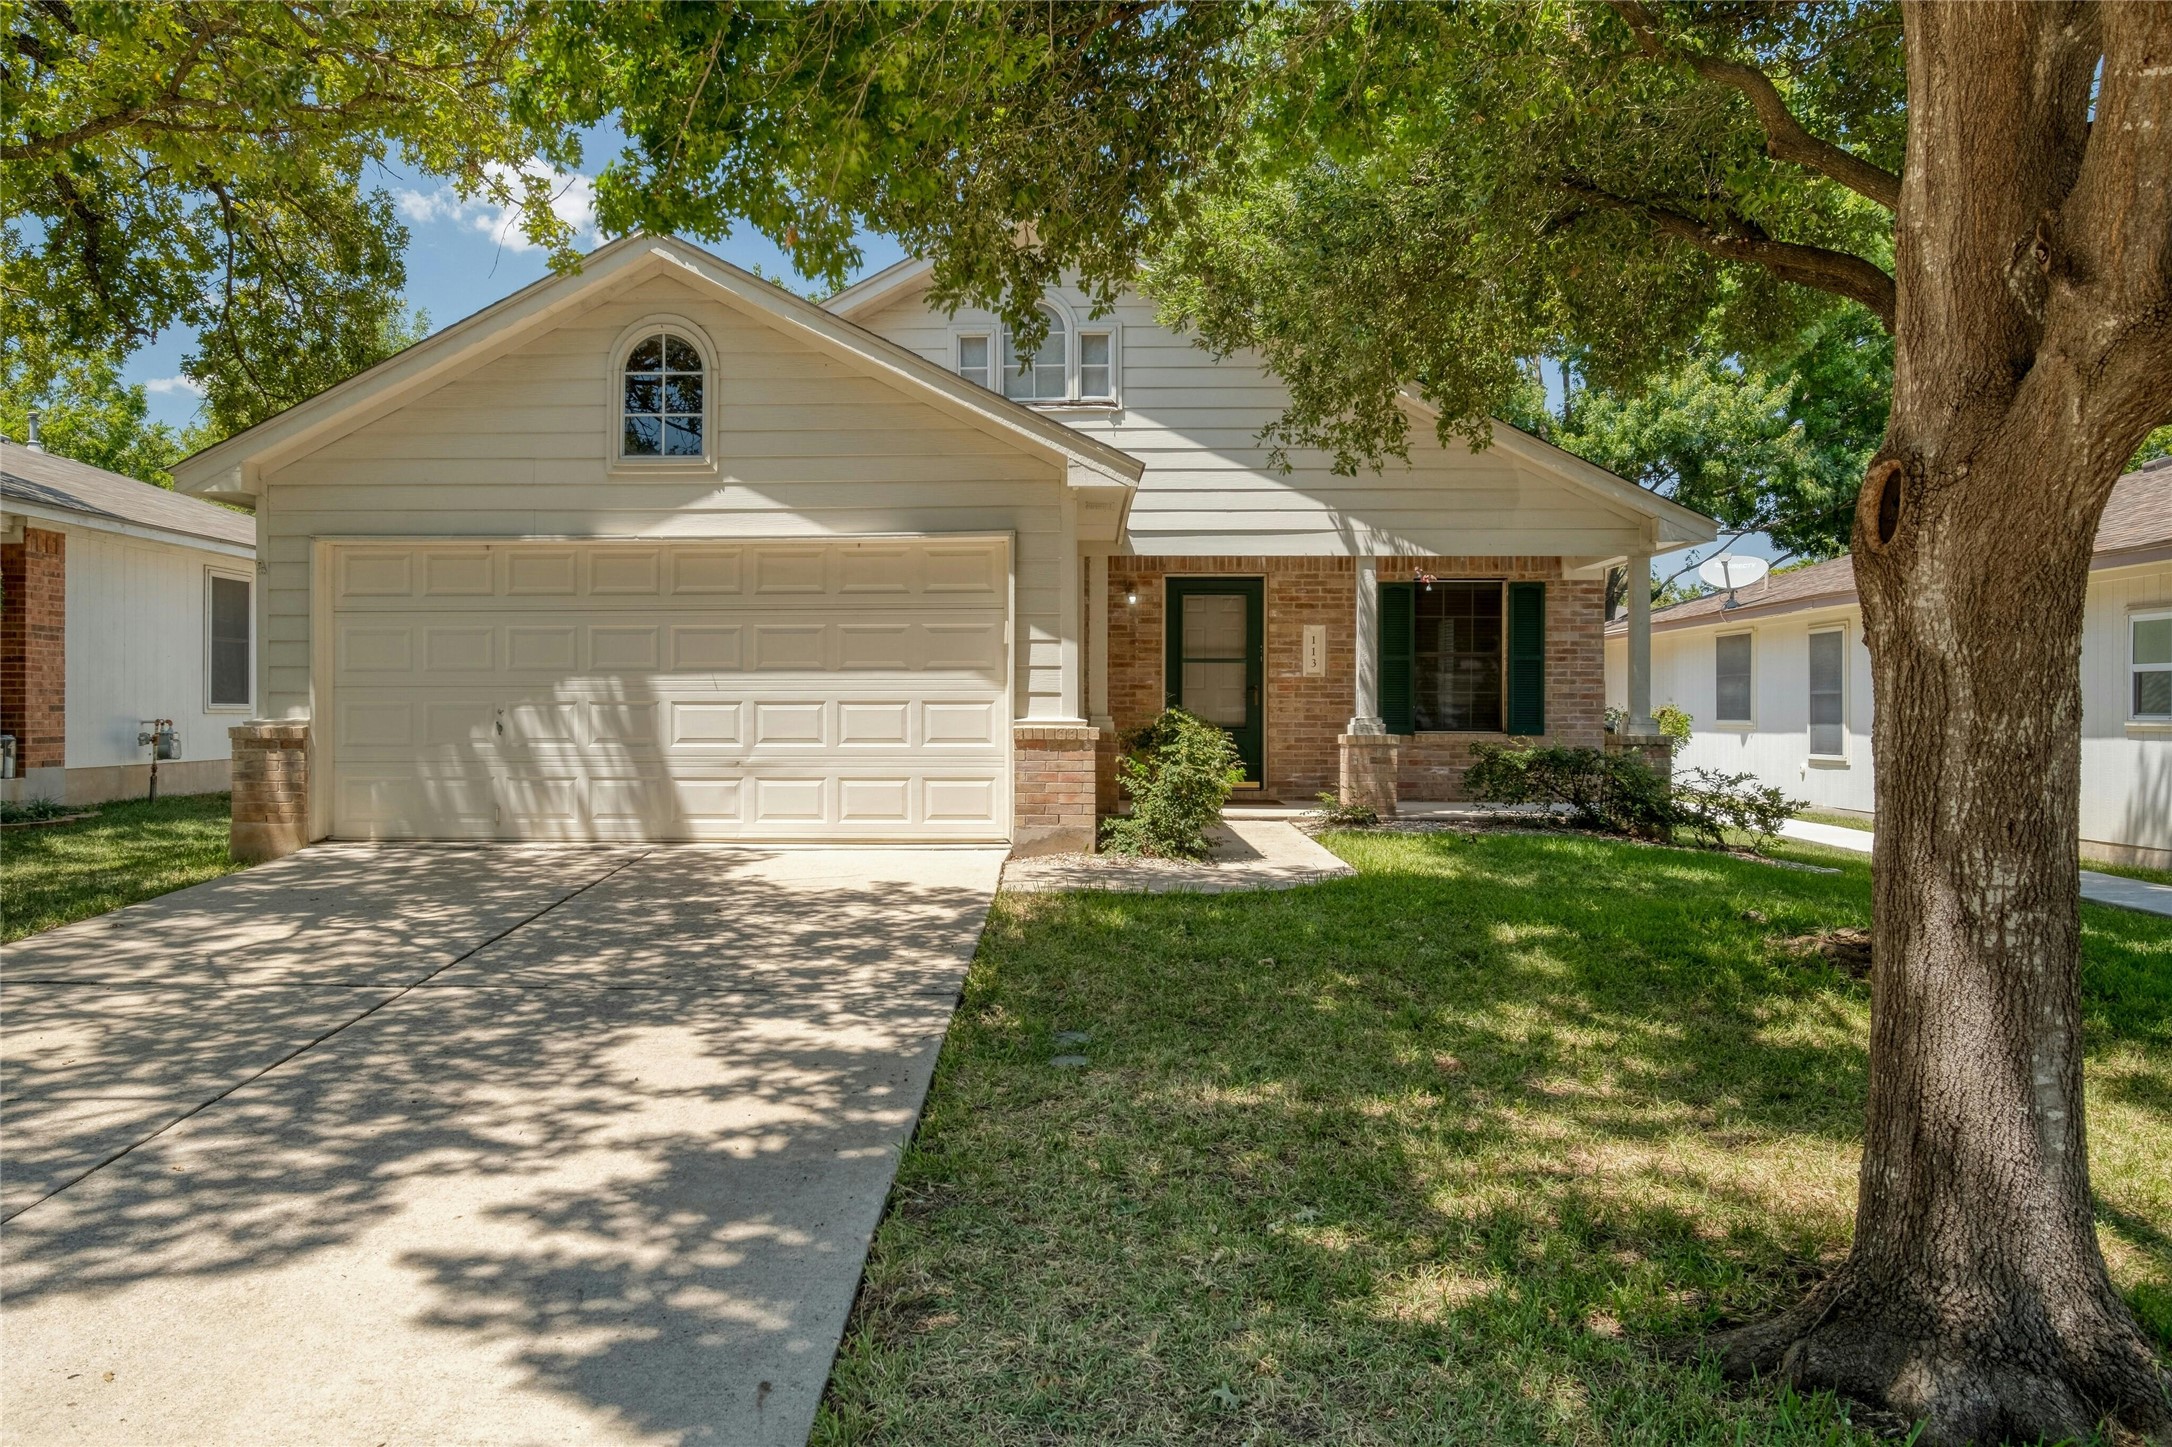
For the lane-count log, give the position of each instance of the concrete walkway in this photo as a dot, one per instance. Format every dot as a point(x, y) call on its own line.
point(465, 1145)
point(2099, 888)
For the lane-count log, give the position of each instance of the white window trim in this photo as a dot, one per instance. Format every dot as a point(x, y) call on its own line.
point(1818, 760)
point(247, 706)
point(614, 414)
point(1740, 725)
point(1071, 401)
point(2141, 720)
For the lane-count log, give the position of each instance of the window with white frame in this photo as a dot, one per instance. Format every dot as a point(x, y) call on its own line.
point(2149, 664)
point(1731, 679)
point(661, 407)
point(228, 617)
point(1828, 693)
point(1073, 364)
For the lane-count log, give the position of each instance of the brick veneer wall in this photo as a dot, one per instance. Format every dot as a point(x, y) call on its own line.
point(34, 647)
point(1053, 788)
point(1306, 716)
point(271, 789)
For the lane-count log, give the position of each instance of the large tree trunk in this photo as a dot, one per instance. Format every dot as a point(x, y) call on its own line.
point(2033, 335)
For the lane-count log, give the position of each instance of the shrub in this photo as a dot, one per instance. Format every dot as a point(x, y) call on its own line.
point(1620, 794)
point(1179, 771)
point(32, 811)
point(1616, 792)
point(1707, 803)
point(1334, 813)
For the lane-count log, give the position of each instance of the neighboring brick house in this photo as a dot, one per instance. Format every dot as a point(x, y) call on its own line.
point(120, 603)
point(660, 551)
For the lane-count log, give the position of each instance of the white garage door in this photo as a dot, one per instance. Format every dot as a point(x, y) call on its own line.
point(611, 691)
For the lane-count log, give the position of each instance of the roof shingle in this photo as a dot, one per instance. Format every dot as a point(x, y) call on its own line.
point(32, 476)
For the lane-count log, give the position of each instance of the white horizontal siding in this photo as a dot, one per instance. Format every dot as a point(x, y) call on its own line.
point(136, 647)
point(805, 446)
point(2126, 787)
point(1210, 488)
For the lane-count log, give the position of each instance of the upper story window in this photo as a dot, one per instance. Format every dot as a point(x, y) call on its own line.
point(661, 411)
point(1074, 363)
point(2150, 666)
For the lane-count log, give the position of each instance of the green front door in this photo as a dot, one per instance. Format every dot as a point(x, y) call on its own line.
point(1216, 659)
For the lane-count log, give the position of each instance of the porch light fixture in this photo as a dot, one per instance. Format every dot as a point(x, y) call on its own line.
point(1131, 598)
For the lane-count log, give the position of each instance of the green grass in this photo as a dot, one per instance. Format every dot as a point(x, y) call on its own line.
point(59, 873)
point(1443, 1153)
point(1828, 816)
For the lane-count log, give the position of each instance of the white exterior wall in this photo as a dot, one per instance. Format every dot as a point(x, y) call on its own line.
point(137, 647)
point(1210, 489)
point(2126, 766)
point(2126, 795)
point(805, 447)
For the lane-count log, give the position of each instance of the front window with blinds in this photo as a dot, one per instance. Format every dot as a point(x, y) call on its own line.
point(1828, 693)
point(2150, 670)
point(227, 651)
point(1731, 679)
point(1457, 656)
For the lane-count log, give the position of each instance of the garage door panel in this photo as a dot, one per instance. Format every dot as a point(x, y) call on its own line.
point(671, 691)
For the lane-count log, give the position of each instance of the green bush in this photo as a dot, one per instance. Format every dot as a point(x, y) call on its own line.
point(1619, 794)
point(1708, 803)
point(1673, 722)
point(1615, 792)
point(1179, 771)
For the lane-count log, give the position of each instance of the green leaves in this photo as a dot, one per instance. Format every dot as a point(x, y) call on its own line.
point(204, 165)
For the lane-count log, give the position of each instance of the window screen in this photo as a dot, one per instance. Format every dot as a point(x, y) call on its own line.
point(1828, 693)
point(1457, 673)
point(1095, 377)
point(2152, 667)
point(1731, 680)
point(973, 359)
point(230, 618)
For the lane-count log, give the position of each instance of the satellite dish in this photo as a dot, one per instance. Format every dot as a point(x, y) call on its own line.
point(1732, 571)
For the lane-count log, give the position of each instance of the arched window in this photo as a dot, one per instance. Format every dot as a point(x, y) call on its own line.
point(662, 410)
point(1038, 378)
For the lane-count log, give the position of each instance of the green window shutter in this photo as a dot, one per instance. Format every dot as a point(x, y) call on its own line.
point(1527, 658)
point(1398, 646)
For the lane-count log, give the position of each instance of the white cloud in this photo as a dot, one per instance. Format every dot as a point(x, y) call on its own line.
point(167, 386)
point(573, 200)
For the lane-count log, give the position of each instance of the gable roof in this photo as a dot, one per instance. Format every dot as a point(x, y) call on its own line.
point(1673, 525)
point(2136, 528)
point(230, 468)
point(44, 480)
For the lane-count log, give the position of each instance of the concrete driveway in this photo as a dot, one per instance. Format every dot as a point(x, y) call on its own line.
point(400, 1145)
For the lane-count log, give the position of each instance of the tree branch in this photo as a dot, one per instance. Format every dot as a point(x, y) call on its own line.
point(1785, 137)
point(1820, 268)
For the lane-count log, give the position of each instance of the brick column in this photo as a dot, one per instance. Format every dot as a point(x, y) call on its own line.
point(1053, 793)
point(1369, 766)
point(271, 789)
point(34, 649)
point(1656, 750)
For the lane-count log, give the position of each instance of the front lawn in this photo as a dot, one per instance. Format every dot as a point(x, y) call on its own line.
point(1435, 1154)
point(56, 873)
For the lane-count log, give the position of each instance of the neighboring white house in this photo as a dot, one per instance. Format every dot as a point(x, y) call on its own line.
point(120, 604)
point(658, 550)
point(1780, 686)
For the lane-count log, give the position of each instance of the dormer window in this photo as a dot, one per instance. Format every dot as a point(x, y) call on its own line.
point(1075, 365)
point(662, 407)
